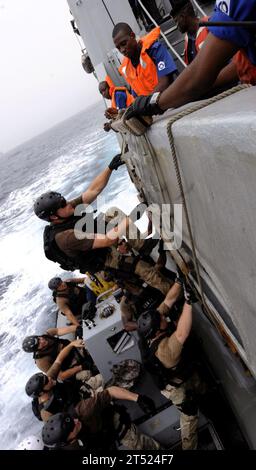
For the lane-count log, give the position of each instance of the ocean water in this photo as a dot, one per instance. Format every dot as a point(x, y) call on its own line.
point(66, 158)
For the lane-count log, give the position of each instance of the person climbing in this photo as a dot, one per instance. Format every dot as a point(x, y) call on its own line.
point(59, 236)
point(94, 252)
point(164, 356)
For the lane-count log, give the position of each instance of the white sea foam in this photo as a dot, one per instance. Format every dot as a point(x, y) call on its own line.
point(66, 165)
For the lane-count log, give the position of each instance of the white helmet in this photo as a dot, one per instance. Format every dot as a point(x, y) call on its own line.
point(31, 443)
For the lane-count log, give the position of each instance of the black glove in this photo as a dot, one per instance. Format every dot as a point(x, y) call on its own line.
point(116, 162)
point(143, 106)
point(189, 295)
point(79, 332)
point(180, 279)
point(146, 404)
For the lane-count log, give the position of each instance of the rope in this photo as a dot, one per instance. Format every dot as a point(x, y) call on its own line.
point(196, 4)
point(175, 118)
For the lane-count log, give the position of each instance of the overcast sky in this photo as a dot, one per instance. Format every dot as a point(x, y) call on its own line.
point(42, 81)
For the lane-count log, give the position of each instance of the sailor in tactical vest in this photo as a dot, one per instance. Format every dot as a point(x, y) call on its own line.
point(51, 396)
point(161, 346)
point(98, 424)
point(46, 347)
point(94, 252)
point(70, 297)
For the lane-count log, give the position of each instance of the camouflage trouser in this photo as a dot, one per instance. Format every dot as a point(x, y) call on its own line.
point(144, 270)
point(135, 440)
point(133, 235)
point(95, 382)
point(184, 398)
point(153, 277)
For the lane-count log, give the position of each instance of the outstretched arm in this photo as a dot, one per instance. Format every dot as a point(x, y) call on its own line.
point(77, 343)
point(145, 403)
point(199, 77)
point(101, 181)
point(61, 331)
point(54, 370)
point(184, 324)
point(79, 280)
point(66, 374)
point(173, 295)
point(120, 393)
point(96, 187)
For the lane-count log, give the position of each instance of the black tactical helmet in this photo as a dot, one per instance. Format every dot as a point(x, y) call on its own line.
point(57, 429)
point(35, 384)
point(149, 323)
point(47, 204)
point(30, 344)
point(54, 283)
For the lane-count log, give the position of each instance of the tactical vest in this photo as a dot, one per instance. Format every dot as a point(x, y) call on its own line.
point(52, 349)
point(162, 376)
point(75, 301)
point(64, 395)
point(90, 261)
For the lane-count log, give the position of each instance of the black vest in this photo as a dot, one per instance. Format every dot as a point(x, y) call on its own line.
point(91, 261)
point(64, 395)
point(75, 301)
point(53, 347)
point(53, 350)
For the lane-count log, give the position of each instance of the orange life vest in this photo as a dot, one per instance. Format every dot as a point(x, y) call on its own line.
point(110, 84)
point(143, 79)
point(245, 69)
point(129, 97)
point(112, 92)
point(201, 36)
